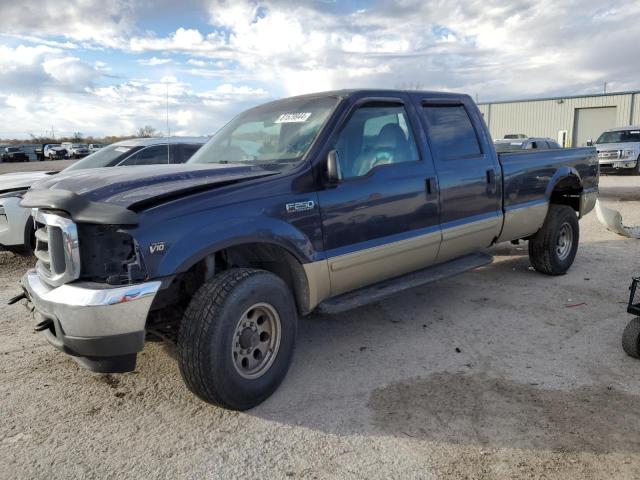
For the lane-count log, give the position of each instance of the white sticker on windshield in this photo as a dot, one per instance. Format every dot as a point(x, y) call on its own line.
point(293, 117)
point(122, 149)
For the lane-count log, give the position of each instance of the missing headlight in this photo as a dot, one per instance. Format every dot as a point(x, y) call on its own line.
point(109, 255)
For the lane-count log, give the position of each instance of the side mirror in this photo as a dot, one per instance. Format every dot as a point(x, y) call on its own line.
point(334, 173)
point(589, 143)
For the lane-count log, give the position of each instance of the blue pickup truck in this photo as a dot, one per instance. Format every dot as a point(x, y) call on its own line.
point(318, 202)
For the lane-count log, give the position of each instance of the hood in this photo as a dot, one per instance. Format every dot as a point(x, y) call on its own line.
point(18, 180)
point(606, 147)
point(136, 186)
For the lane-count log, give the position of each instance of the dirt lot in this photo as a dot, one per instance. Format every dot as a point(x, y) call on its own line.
point(498, 373)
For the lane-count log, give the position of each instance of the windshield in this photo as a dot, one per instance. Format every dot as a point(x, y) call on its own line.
point(508, 146)
point(79, 145)
point(621, 136)
point(274, 136)
point(13, 149)
point(101, 158)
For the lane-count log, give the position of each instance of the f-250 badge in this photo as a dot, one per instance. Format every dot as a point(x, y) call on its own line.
point(300, 206)
point(156, 247)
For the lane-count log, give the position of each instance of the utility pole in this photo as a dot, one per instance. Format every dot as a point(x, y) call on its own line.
point(605, 87)
point(168, 131)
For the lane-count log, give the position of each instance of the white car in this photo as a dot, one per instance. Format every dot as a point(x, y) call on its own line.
point(12, 185)
point(95, 146)
point(16, 226)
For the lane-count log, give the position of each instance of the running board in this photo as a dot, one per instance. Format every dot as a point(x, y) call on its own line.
point(386, 288)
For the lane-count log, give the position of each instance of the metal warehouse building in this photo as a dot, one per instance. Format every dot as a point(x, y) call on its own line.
point(571, 120)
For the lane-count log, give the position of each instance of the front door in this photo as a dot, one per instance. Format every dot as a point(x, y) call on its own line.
point(381, 220)
point(469, 176)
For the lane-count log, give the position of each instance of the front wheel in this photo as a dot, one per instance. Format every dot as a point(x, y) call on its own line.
point(553, 248)
point(237, 338)
point(636, 169)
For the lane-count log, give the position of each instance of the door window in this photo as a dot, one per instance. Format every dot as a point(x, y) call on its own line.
point(375, 135)
point(451, 132)
point(149, 156)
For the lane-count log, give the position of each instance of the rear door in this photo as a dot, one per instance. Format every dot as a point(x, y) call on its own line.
point(468, 173)
point(379, 221)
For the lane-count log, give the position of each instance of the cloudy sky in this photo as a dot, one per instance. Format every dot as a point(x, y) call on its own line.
point(104, 66)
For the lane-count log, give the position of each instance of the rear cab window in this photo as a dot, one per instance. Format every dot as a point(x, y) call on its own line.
point(451, 132)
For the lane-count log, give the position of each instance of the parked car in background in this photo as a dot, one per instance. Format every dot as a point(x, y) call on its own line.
point(533, 143)
point(619, 149)
point(95, 146)
point(54, 151)
point(76, 150)
point(326, 201)
point(510, 136)
point(16, 225)
point(13, 154)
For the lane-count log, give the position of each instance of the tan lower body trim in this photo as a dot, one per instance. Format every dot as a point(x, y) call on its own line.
point(467, 238)
point(522, 222)
point(318, 281)
point(355, 270)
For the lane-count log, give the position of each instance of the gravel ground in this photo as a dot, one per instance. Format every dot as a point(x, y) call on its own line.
point(497, 373)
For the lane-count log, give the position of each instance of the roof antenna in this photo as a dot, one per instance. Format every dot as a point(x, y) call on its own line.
point(168, 131)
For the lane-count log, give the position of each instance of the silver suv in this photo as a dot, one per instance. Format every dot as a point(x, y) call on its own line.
point(619, 148)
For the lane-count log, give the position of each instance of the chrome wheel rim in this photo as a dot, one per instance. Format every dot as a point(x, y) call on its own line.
point(256, 340)
point(564, 241)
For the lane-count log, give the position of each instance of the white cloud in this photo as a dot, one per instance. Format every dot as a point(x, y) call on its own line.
point(254, 50)
point(153, 61)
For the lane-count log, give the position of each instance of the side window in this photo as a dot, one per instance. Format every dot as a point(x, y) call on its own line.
point(148, 156)
point(375, 135)
point(451, 132)
point(187, 151)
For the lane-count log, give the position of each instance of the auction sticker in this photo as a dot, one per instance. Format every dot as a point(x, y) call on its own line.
point(300, 117)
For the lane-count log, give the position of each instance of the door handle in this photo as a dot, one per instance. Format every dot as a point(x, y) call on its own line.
point(429, 186)
point(491, 176)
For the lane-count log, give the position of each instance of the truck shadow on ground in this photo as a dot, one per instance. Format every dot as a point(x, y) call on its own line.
point(462, 409)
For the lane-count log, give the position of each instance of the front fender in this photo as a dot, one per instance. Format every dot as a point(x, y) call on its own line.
point(193, 244)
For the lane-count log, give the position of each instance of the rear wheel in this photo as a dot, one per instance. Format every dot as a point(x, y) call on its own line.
point(636, 169)
point(237, 338)
point(553, 248)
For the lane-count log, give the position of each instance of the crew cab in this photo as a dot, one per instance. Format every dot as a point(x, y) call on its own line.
point(321, 202)
point(619, 150)
point(16, 225)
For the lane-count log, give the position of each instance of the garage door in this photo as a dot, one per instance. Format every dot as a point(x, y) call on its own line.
point(591, 122)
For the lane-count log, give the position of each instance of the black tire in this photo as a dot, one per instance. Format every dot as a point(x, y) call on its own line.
point(29, 238)
point(544, 246)
point(631, 338)
point(636, 170)
point(208, 335)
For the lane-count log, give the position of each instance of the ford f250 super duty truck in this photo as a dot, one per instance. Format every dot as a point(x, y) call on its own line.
point(320, 202)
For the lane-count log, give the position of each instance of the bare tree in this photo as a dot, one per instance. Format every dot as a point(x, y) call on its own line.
point(147, 132)
point(77, 136)
point(416, 85)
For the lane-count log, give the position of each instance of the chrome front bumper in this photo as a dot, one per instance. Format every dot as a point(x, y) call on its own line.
point(98, 325)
